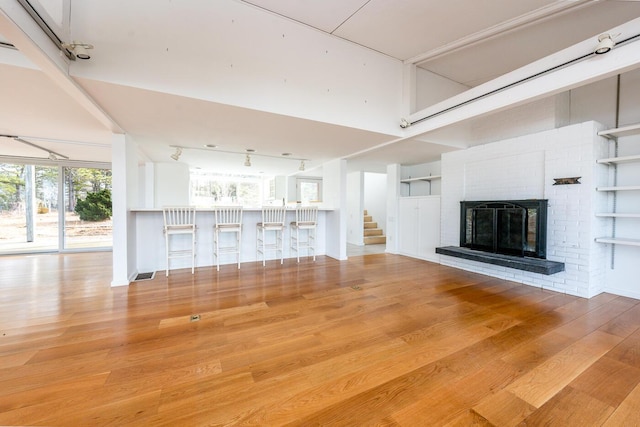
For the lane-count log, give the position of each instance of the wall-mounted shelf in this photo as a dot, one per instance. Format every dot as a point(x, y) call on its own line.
point(420, 178)
point(428, 179)
point(619, 188)
point(621, 131)
point(618, 241)
point(618, 215)
point(617, 160)
point(612, 162)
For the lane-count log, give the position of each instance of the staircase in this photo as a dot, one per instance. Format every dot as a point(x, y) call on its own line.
point(372, 234)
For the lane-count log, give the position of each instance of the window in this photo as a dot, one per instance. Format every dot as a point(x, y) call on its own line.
point(28, 208)
point(309, 190)
point(92, 231)
point(210, 189)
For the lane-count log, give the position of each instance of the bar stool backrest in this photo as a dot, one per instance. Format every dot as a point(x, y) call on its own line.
point(179, 217)
point(228, 216)
point(273, 216)
point(306, 216)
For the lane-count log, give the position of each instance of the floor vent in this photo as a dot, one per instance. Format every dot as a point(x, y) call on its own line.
point(144, 276)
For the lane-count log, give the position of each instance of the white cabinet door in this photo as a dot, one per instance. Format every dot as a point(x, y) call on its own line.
point(408, 227)
point(419, 227)
point(428, 227)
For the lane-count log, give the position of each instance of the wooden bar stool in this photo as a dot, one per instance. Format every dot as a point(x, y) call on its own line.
point(228, 220)
point(272, 220)
point(306, 219)
point(180, 220)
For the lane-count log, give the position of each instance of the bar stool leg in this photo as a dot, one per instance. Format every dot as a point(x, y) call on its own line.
point(166, 246)
point(238, 240)
point(217, 248)
point(281, 244)
point(193, 253)
point(313, 246)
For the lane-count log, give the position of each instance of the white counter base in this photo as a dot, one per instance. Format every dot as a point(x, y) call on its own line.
point(150, 249)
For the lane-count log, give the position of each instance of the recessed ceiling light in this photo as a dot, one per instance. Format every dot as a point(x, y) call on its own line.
point(210, 145)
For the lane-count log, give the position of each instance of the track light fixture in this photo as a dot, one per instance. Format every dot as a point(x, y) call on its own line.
point(175, 156)
point(248, 152)
point(78, 50)
point(404, 123)
point(247, 160)
point(605, 44)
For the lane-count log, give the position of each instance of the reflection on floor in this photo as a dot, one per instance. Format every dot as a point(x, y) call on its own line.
point(355, 250)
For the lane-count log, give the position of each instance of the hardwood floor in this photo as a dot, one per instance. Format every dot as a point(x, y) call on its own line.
point(376, 340)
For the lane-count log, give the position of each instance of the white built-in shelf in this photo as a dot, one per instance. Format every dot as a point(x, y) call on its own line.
point(621, 131)
point(620, 188)
point(613, 134)
point(625, 159)
point(421, 178)
point(618, 215)
point(618, 241)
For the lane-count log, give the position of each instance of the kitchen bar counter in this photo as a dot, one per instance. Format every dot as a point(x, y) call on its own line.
point(150, 252)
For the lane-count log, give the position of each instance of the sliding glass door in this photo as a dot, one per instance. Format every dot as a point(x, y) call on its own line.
point(47, 208)
point(28, 208)
point(87, 203)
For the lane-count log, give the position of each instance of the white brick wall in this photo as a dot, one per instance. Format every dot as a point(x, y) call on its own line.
point(524, 167)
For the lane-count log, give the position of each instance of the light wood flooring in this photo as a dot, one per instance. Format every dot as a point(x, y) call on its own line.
point(375, 340)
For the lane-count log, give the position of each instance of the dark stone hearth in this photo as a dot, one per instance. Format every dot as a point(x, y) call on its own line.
point(534, 265)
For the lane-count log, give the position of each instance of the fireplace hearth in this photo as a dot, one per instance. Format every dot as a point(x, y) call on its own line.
point(507, 233)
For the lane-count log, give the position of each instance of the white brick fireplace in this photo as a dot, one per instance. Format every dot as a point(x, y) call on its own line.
point(525, 168)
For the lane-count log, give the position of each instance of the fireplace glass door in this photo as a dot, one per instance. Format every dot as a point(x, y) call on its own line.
point(505, 227)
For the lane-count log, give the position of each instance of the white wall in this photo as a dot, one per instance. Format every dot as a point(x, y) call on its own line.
point(431, 88)
point(171, 184)
point(375, 197)
point(522, 120)
point(522, 168)
point(280, 183)
point(355, 206)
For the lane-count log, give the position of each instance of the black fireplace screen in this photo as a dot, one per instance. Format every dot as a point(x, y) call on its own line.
point(513, 227)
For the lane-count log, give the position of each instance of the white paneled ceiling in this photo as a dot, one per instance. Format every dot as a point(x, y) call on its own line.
point(325, 15)
point(466, 41)
point(402, 29)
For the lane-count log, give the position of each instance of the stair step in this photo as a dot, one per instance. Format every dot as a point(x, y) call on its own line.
point(370, 225)
point(375, 240)
point(373, 232)
point(365, 212)
point(368, 218)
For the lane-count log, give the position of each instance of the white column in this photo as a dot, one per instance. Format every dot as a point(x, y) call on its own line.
point(393, 193)
point(124, 170)
point(334, 194)
point(355, 207)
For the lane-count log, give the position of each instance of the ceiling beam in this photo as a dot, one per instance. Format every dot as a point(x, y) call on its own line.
point(489, 98)
point(17, 26)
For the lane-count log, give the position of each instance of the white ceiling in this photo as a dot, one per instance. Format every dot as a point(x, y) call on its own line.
point(467, 41)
